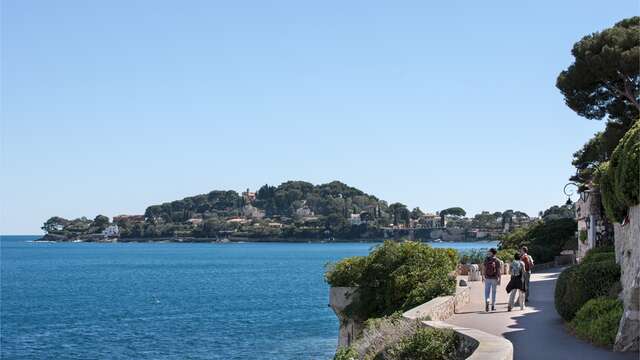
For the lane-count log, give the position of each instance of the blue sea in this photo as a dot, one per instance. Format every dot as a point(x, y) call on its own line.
point(169, 300)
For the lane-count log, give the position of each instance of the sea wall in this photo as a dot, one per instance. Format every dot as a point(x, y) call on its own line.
point(627, 245)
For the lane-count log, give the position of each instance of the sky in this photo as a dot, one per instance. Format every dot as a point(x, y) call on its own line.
point(108, 107)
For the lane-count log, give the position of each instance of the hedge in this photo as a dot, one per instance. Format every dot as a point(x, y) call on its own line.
point(595, 257)
point(597, 321)
point(580, 283)
point(618, 179)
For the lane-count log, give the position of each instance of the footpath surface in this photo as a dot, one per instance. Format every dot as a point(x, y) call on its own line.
point(538, 332)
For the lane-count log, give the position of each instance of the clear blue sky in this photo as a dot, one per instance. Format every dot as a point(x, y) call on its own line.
point(111, 106)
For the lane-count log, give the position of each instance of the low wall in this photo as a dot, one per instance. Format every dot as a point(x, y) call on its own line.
point(440, 308)
point(481, 345)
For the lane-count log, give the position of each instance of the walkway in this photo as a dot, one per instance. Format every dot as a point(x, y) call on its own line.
point(538, 332)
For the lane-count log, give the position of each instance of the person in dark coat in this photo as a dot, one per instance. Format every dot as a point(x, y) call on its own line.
point(517, 283)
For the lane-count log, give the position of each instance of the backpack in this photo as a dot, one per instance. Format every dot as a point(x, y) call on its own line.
point(528, 262)
point(491, 267)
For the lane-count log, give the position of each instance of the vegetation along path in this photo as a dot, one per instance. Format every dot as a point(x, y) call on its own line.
point(538, 332)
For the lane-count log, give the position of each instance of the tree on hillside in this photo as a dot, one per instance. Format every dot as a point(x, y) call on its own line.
point(400, 213)
point(416, 213)
point(604, 81)
point(455, 211)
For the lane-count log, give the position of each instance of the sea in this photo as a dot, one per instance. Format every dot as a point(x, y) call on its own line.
point(169, 300)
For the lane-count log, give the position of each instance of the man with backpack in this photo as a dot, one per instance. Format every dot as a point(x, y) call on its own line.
point(491, 277)
point(528, 266)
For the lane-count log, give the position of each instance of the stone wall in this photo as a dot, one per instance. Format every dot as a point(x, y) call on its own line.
point(339, 299)
point(627, 244)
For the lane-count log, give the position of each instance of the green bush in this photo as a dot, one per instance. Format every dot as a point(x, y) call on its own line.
point(506, 255)
point(395, 276)
point(563, 297)
point(618, 179)
point(601, 249)
point(583, 236)
point(346, 272)
point(545, 239)
point(595, 257)
point(346, 353)
point(472, 256)
point(426, 344)
point(580, 283)
point(597, 321)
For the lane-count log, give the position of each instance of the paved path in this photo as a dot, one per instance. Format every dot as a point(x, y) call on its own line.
point(538, 332)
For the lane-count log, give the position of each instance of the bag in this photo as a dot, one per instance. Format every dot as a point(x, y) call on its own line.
point(528, 262)
point(491, 268)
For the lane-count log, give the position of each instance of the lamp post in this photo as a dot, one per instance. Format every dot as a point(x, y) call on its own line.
point(568, 192)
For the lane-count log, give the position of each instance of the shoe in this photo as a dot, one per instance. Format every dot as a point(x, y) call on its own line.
point(486, 307)
point(508, 308)
point(493, 308)
point(521, 308)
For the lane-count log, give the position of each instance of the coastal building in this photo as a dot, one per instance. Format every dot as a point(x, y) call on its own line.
point(304, 212)
point(112, 231)
point(249, 196)
point(429, 221)
point(252, 212)
point(195, 221)
point(355, 219)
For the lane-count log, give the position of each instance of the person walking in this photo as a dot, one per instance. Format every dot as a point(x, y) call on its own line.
point(528, 266)
point(516, 285)
point(491, 277)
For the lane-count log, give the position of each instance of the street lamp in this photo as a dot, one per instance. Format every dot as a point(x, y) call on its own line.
point(568, 191)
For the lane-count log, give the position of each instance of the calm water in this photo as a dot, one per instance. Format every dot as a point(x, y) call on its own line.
point(168, 301)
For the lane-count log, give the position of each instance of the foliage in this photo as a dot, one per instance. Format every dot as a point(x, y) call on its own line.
point(346, 272)
point(400, 213)
point(472, 256)
point(455, 211)
point(559, 212)
point(545, 239)
point(583, 236)
point(595, 257)
point(346, 353)
point(426, 344)
point(618, 179)
point(597, 321)
point(397, 276)
point(506, 255)
point(604, 78)
point(578, 284)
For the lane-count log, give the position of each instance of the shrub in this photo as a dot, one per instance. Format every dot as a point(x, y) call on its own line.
point(597, 321)
point(346, 353)
point(601, 249)
point(580, 283)
point(426, 344)
point(395, 276)
point(563, 297)
point(595, 257)
point(346, 272)
point(618, 179)
point(472, 256)
point(583, 236)
point(506, 255)
point(545, 239)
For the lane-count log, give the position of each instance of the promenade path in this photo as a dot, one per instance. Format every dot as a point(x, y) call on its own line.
point(538, 332)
